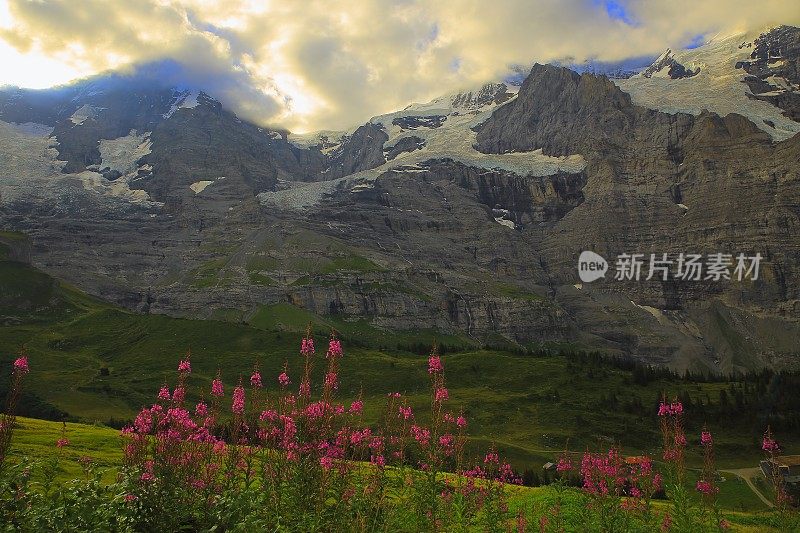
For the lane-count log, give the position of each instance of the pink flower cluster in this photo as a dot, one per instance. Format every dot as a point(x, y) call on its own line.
point(21, 365)
point(307, 347)
point(670, 409)
point(706, 487)
point(237, 407)
point(770, 445)
point(166, 443)
point(334, 348)
point(216, 387)
point(705, 438)
point(435, 364)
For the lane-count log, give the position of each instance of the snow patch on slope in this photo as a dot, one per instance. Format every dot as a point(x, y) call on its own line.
point(122, 153)
point(183, 100)
point(199, 186)
point(455, 139)
point(718, 87)
point(30, 169)
point(84, 113)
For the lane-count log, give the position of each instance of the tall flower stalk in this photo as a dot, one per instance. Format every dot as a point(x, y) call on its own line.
point(9, 417)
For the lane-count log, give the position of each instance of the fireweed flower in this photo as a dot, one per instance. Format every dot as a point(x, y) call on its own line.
point(283, 379)
point(237, 407)
point(705, 487)
point(201, 409)
point(163, 394)
point(705, 438)
point(441, 394)
point(179, 395)
point(216, 387)
point(62, 442)
point(564, 465)
point(185, 366)
point(332, 380)
point(461, 421)
point(21, 365)
point(255, 380)
point(435, 364)
point(356, 407)
point(334, 348)
point(769, 444)
point(405, 412)
point(307, 347)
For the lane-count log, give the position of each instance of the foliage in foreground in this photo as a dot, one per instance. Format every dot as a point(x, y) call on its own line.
point(299, 461)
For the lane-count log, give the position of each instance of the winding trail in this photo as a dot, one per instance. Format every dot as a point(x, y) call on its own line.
point(747, 474)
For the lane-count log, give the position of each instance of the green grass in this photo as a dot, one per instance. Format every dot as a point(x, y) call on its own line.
point(209, 274)
point(33, 441)
point(97, 362)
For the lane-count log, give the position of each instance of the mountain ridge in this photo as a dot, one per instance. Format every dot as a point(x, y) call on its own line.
point(466, 213)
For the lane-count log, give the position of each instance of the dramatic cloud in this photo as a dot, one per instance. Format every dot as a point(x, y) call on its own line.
point(332, 64)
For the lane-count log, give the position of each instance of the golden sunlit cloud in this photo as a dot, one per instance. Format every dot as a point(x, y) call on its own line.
point(333, 64)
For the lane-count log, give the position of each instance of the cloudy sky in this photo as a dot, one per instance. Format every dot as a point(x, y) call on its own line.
point(329, 64)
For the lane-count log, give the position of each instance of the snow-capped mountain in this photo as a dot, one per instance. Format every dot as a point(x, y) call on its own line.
point(465, 214)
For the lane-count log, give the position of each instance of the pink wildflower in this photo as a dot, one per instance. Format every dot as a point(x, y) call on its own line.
point(334, 348)
point(216, 387)
point(564, 464)
point(705, 487)
point(769, 445)
point(255, 380)
point(237, 407)
point(283, 379)
point(163, 394)
point(435, 364)
point(332, 380)
point(326, 462)
point(356, 407)
point(201, 409)
point(307, 347)
point(461, 421)
point(405, 412)
point(441, 394)
point(21, 365)
point(130, 498)
point(60, 443)
point(705, 438)
point(185, 366)
point(178, 395)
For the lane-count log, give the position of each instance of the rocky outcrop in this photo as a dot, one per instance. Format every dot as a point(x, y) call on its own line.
point(666, 64)
point(406, 144)
point(774, 69)
point(484, 247)
point(361, 151)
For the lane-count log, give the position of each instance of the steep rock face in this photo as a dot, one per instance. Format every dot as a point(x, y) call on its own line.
point(480, 243)
point(666, 64)
point(491, 93)
point(563, 112)
point(207, 142)
point(361, 151)
point(774, 69)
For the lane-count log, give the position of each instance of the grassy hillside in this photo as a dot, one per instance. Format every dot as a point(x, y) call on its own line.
point(34, 442)
point(96, 363)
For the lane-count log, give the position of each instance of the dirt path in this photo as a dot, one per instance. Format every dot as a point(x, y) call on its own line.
point(747, 474)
